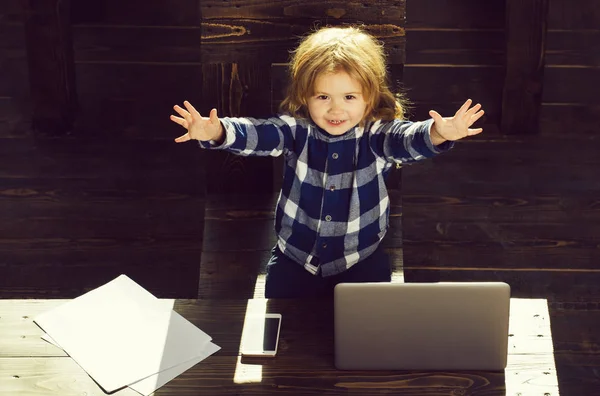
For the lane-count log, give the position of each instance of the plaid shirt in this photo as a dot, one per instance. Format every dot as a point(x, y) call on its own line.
point(333, 209)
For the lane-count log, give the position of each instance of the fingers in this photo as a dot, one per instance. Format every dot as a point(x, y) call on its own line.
point(436, 116)
point(471, 132)
point(180, 121)
point(185, 116)
point(214, 117)
point(191, 109)
point(464, 107)
point(475, 117)
point(183, 138)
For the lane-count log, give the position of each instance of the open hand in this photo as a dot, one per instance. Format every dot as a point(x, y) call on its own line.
point(198, 127)
point(457, 127)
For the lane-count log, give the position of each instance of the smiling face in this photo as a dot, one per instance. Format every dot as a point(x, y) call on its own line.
point(337, 103)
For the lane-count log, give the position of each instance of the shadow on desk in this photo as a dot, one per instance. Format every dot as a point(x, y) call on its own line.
point(552, 347)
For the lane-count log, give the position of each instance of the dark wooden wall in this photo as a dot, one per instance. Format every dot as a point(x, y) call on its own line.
point(518, 208)
point(14, 83)
point(570, 103)
point(117, 195)
point(454, 51)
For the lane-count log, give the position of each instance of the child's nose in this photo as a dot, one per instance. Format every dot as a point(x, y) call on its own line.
point(335, 106)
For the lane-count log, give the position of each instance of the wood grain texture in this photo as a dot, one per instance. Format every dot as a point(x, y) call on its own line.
point(577, 48)
point(463, 14)
point(548, 344)
point(570, 85)
point(526, 24)
point(14, 84)
point(573, 15)
point(51, 68)
point(328, 11)
point(137, 13)
point(433, 46)
point(76, 212)
point(511, 212)
point(236, 90)
point(238, 41)
point(572, 69)
point(570, 119)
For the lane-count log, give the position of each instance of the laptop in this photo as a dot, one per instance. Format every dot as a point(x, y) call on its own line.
point(421, 326)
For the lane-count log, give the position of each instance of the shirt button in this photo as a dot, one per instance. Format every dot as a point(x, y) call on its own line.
point(332, 188)
point(327, 218)
point(324, 245)
point(334, 155)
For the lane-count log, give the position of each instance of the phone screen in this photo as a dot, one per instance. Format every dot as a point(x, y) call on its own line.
point(260, 335)
point(270, 335)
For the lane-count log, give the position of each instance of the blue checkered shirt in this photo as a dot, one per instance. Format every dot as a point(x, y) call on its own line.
point(333, 209)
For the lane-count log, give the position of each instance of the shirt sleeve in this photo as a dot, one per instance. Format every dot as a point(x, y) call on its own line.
point(405, 141)
point(251, 136)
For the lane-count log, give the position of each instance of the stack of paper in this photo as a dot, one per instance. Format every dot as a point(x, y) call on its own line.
point(122, 335)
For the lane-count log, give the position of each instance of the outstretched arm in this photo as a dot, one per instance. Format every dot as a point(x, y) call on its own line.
point(198, 127)
point(456, 127)
point(242, 136)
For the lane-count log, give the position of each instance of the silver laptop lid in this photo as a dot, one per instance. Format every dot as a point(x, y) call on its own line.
point(430, 326)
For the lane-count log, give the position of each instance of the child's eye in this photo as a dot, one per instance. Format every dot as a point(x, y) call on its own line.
point(322, 97)
point(350, 97)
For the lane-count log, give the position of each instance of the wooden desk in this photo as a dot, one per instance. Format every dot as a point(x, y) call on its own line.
point(304, 366)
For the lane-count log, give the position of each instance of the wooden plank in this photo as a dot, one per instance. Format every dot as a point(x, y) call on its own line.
point(14, 64)
point(474, 213)
point(77, 211)
point(215, 376)
point(575, 47)
point(573, 15)
point(137, 80)
point(490, 172)
point(137, 44)
point(540, 335)
point(453, 14)
point(66, 268)
point(137, 13)
point(327, 12)
point(571, 85)
point(525, 43)
point(14, 118)
point(121, 98)
point(524, 282)
point(96, 209)
point(236, 90)
point(94, 159)
point(510, 207)
point(11, 12)
point(232, 40)
point(431, 46)
point(569, 119)
point(51, 67)
point(454, 83)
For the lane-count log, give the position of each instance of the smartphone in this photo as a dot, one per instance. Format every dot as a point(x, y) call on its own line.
point(260, 335)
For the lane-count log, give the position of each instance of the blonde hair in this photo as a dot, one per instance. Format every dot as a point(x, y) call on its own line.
point(347, 49)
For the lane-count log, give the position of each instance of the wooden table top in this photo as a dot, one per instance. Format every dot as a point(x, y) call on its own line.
point(304, 365)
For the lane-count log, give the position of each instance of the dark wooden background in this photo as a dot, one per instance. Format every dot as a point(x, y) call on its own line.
point(113, 194)
point(92, 185)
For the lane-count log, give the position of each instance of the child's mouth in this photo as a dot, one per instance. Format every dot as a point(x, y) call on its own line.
point(336, 122)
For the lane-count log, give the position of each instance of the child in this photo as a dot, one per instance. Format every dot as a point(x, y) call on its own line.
point(341, 131)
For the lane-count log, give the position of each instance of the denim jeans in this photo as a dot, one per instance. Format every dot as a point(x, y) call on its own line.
point(288, 279)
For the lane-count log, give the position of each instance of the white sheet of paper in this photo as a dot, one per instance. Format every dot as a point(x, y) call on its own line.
point(151, 384)
point(119, 333)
